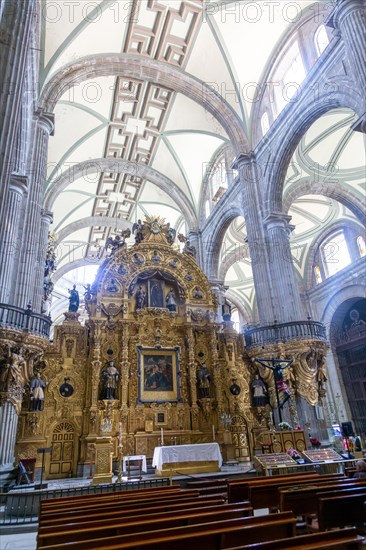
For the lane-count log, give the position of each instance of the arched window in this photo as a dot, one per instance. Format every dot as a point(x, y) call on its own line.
point(318, 275)
point(207, 208)
point(335, 254)
point(361, 246)
point(264, 123)
point(289, 76)
point(321, 39)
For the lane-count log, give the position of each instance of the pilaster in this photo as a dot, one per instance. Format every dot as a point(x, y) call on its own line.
point(31, 252)
point(9, 231)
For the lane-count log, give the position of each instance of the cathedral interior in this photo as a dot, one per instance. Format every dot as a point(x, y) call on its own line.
point(182, 225)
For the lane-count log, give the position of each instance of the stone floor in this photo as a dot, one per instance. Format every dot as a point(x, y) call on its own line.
point(23, 537)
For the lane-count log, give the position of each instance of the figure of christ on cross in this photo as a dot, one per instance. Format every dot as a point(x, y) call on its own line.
point(282, 392)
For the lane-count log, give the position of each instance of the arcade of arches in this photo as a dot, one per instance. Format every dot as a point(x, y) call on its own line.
point(182, 193)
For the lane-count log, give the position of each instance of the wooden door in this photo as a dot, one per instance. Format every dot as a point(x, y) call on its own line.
point(62, 453)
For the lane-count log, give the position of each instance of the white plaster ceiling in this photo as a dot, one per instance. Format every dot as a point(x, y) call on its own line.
point(225, 43)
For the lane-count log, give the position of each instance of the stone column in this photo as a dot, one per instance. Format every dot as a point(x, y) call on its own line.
point(195, 240)
point(46, 220)
point(9, 234)
point(8, 430)
point(30, 251)
point(350, 19)
point(252, 206)
point(286, 294)
point(16, 25)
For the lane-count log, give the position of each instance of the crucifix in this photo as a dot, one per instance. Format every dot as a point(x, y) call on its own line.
point(277, 366)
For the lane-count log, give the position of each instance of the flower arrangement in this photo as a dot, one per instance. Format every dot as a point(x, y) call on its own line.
point(293, 453)
point(284, 426)
point(315, 442)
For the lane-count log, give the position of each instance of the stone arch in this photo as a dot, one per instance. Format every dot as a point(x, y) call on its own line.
point(153, 71)
point(246, 314)
point(301, 121)
point(122, 167)
point(328, 189)
point(213, 244)
point(338, 302)
point(308, 271)
point(72, 265)
point(91, 221)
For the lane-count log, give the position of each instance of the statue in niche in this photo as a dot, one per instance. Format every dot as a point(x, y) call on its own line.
point(156, 295)
point(110, 377)
point(170, 301)
point(260, 392)
point(138, 259)
point(170, 234)
point(173, 263)
point(112, 286)
point(73, 299)
point(69, 346)
point(37, 386)
point(204, 381)
point(140, 298)
point(226, 311)
point(155, 257)
point(197, 293)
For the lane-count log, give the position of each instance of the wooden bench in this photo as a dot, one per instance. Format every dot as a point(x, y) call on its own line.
point(107, 528)
point(78, 500)
point(266, 495)
point(136, 510)
point(341, 539)
point(219, 534)
point(239, 490)
point(106, 504)
point(302, 501)
point(342, 509)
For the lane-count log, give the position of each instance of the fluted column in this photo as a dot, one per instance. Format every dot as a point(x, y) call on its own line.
point(30, 249)
point(350, 19)
point(9, 231)
point(15, 31)
point(252, 206)
point(195, 240)
point(286, 295)
point(8, 430)
point(46, 220)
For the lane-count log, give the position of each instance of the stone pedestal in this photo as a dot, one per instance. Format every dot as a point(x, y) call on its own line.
point(103, 460)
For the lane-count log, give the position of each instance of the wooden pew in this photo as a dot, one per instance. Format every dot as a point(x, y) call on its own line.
point(106, 504)
point(340, 539)
point(107, 528)
point(238, 489)
point(221, 534)
point(303, 501)
point(265, 495)
point(74, 500)
point(136, 510)
point(341, 510)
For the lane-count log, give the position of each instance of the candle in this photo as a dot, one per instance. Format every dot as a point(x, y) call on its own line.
point(120, 433)
point(213, 432)
point(162, 437)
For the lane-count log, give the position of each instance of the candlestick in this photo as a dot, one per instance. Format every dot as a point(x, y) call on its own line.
point(120, 433)
point(162, 437)
point(213, 432)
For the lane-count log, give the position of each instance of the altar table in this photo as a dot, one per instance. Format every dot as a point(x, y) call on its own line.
point(187, 459)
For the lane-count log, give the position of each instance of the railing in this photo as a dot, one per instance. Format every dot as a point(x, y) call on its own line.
point(21, 507)
point(284, 332)
point(25, 320)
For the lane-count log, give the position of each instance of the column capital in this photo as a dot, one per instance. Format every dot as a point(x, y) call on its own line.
point(342, 11)
point(46, 121)
point(278, 220)
point(47, 216)
point(18, 184)
point(243, 160)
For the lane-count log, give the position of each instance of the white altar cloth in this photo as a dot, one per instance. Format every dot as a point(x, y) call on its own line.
point(200, 452)
point(135, 457)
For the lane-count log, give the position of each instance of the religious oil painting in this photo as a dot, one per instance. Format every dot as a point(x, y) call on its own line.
point(158, 368)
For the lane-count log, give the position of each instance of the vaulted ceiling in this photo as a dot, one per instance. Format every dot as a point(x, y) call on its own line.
point(125, 147)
